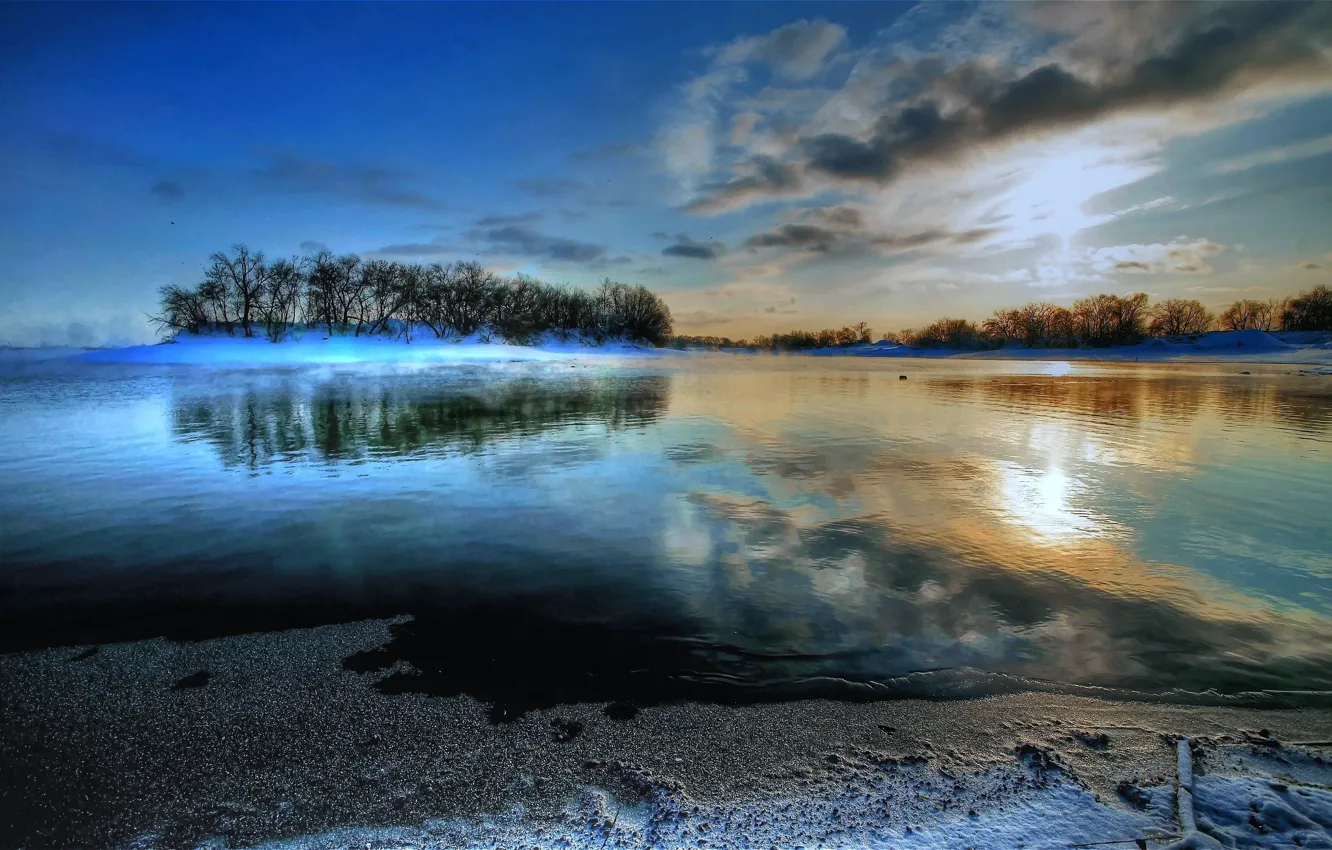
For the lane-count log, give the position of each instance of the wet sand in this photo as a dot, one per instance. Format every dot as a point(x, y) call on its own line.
point(255, 738)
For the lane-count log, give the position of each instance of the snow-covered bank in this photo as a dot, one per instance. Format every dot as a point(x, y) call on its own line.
point(273, 740)
point(317, 347)
point(1296, 348)
point(909, 804)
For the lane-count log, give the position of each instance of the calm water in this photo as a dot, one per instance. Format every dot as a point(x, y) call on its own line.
point(725, 527)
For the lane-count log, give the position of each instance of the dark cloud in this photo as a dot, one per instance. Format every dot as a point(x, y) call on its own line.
point(310, 246)
point(167, 190)
point(519, 241)
point(661, 234)
point(621, 260)
point(838, 217)
point(547, 187)
point(693, 249)
point(502, 220)
point(609, 150)
point(367, 184)
point(652, 271)
point(811, 237)
point(767, 177)
point(804, 236)
point(1132, 266)
point(1312, 266)
point(1209, 49)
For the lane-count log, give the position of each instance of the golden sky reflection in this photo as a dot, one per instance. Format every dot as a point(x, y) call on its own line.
point(1047, 482)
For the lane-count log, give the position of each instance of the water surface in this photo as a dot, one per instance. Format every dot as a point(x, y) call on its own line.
point(718, 527)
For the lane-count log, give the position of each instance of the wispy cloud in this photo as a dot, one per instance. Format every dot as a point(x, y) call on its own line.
point(1272, 156)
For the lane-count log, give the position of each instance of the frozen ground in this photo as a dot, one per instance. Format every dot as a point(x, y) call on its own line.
point(270, 741)
point(314, 346)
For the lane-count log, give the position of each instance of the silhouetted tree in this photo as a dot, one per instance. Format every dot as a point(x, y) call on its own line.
point(1309, 311)
point(1179, 316)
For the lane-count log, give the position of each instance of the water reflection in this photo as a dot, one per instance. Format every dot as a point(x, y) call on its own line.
point(726, 529)
point(1118, 398)
point(346, 420)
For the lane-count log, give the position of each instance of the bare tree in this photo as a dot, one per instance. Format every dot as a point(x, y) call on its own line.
point(239, 279)
point(467, 300)
point(279, 301)
point(1179, 316)
point(1309, 311)
point(182, 310)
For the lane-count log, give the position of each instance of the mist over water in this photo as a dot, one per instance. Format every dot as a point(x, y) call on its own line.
point(722, 527)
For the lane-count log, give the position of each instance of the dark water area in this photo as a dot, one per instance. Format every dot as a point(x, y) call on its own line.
point(715, 528)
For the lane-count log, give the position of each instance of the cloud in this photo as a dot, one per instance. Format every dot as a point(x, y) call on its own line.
point(547, 187)
point(848, 233)
point(367, 184)
point(742, 124)
point(796, 51)
point(760, 177)
point(804, 236)
point(310, 246)
point(1175, 257)
point(923, 109)
point(518, 241)
point(693, 249)
point(167, 190)
point(1167, 202)
point(1307, 149)
point(501, 220)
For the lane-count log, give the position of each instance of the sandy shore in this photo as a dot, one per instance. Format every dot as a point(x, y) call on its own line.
point(269, 738)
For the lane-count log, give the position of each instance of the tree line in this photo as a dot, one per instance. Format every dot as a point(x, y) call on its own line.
point(244, 292)
point(1095, 321)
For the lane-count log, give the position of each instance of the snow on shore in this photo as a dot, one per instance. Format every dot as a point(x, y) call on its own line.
point(1254, 799)
point(313, 346)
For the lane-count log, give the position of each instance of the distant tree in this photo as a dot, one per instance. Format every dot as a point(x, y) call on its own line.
point(1110, 319)
point(238, 278)
point(381, 296)
point(182, 310)
point(278, 302)
point(1253, 315)
point(948, 333)
point(321, 300)
point(1309, 311)
point(467, 299)
point(1179, 316)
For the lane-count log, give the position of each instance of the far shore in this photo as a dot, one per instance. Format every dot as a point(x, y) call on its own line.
point(1290, 348)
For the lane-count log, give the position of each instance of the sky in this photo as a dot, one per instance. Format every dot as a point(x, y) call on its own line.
point(764, 166)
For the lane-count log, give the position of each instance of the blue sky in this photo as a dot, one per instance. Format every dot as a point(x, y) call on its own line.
point(764, 166)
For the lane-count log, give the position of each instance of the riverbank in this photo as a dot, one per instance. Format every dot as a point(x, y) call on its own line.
point(315, 347)
point(1304, 348)
point(271, 740)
